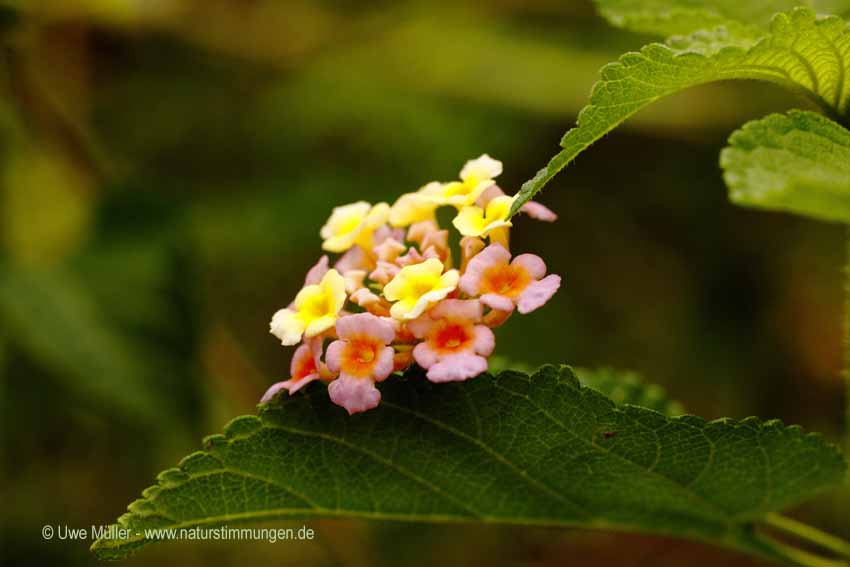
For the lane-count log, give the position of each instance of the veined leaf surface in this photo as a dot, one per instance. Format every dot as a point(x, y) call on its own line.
point(512, 448)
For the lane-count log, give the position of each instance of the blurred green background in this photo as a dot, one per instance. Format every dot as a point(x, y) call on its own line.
point(166, 166)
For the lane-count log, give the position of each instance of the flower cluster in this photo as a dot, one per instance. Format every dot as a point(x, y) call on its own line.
point(396, 296)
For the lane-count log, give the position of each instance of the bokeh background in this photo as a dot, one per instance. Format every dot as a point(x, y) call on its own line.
point(166, 165)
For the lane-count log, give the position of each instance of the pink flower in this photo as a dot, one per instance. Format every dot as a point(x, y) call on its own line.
point(384, 272)
point(303, 369)
point(531, 208)
point(389, 250)
point(414, 256)
point(454, 346)
point(503, 285)
point(355, 258)
point(361, 357)
point(317, 272)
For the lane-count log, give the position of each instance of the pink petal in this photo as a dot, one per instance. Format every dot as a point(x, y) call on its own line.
point(493, 255)
point(484, 341)
point(418, 231)
point(538, 293)
point(384, 272)
point(384, 232)
point(291, 386)
point(384, 365)
point(364, 297)
point(469, 247)
point(413, 256)
point(488, 195)
point(389, 250)
point(498, 302)
point(365, 324)
point(333, 356)
point(274, 389)
point(424, 355)
point(354, 259)
point(354, 394)
point(420, 326)
point(457, 367)
point(301, 355)
point(533, 264)
point(317, 272)
point(439, 240)
point(468, 309)
point(539, 212)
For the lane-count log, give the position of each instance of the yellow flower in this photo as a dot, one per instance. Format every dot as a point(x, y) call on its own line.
point(353, 224)
point(415, 288)
point(315, 310)
point(476, 176)
point(411, 208)
point(475, 221)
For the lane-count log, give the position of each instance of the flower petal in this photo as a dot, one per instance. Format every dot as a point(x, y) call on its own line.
point(319, 325)
point(302, 358)
point(384, 365)
point(538, 293)
point(498, 302)
point(355, 258)
point(468, 309)
point(354, 394)
point(333, 356)
point(485, 340)
point(483, 167)
point(292, 385)
point(286, 326)
point(493, 255)
point(317, 272)
point(533, 264)
point(274, 389)
point(424, 355)
point(457, 367)
point(488, 195)
point(360, 324)
point(537, 211)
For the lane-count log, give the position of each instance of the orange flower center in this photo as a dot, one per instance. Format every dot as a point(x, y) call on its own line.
point(360, 356)
point(505, 279)
point(450, 336)
point(307, 366)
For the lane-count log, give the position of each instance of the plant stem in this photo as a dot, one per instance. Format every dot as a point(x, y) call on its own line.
point(807, 533)
point(793, 556)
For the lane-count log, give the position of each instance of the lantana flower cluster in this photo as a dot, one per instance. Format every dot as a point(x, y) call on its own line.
point(396, 296)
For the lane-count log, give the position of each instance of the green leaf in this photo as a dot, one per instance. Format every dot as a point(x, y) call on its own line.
point(797, 162)
point(808, 55)
point(682, 17)
point(513, 449)
point(626, 387)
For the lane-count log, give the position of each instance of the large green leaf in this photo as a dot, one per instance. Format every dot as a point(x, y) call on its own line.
point(512, 448)
point(797, 162)
point(801, 52)
point(672, 17)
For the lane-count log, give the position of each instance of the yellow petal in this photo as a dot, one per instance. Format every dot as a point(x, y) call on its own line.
point(344, 226)
point(417, 287)
point(411, 208)
point(287, 326)
point(483, 167)
point(470, 221)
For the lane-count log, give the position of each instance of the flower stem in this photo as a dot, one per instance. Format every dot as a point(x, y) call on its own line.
point(809, 534)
